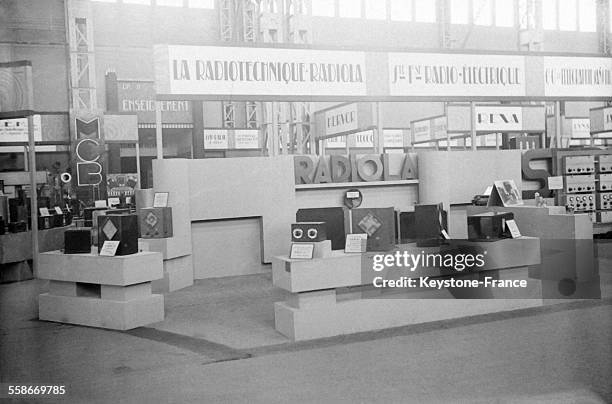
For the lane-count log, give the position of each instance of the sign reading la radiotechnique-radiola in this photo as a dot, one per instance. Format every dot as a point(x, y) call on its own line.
point(217, 72)
point(214, 70)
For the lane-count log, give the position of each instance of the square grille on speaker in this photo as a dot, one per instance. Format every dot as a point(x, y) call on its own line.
point(122, 228)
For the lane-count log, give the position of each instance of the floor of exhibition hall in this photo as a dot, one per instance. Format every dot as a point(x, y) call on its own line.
point(223, 330)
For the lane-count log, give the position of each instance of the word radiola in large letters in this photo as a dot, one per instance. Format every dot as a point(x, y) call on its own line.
point(88, 150)
point(368, 168)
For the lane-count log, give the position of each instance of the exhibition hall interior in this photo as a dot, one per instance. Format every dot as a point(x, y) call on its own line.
point(287, 201)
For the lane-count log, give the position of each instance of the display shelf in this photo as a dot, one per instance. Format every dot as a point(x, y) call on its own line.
point(341, 270)
point(17, 247)
point(178, 262)
point(170, 247)
point(315, 310)
point(100, 291)
point(103, 313)
point(92, 268)
point(178, 274)
point(322, 314)
point(301, 187)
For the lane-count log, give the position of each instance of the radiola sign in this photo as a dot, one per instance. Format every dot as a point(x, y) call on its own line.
point(356, 168)
point(214, 70)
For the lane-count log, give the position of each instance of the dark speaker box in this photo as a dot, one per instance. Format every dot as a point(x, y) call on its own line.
point(334, 223)
point(122, 228)
point(406, 227)
point(45, 222)
point(17, 227)
point(58, 220)
point(77, 241)
point(378, 224)
point(18, 212)
point(429, 221)
point(308, 232)
point(155, 222)
point(489, 226)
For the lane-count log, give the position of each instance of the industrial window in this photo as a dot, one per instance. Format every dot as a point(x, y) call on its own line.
point(401, 10)
point(171, 3)
point(425, 10)
point(460, 11)
point(587, 16)
point(504, 13)
point(202, 4)
point(483, 14)
point(138, 1)
point(549, 14)
point(567, 15)
point(376, 9)
point(323, 8)
point(349, 8)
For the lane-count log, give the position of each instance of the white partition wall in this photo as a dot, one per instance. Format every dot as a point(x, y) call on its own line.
point(455, 177)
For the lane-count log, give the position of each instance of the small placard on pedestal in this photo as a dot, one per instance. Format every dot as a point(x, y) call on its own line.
point(302, 251)
point(356, 243)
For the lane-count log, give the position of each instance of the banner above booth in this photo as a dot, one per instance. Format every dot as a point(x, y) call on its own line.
point(272, 73)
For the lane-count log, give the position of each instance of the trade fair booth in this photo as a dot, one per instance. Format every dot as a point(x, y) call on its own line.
point(215, 217)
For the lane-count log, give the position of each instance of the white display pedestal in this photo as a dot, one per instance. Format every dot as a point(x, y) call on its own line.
point(317, 309)
point(178, 262)
point(100, 291)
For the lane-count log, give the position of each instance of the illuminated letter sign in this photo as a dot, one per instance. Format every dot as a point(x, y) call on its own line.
point(88, 151)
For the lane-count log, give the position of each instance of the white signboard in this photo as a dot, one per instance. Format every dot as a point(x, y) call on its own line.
point(493, 118)
point(607, 119)
point(336, 142)
point(16, 130)
point(601, 120)
point(216, 70)
point(580, 127)
point(364, 139)
point(434, 74)
point(421, 131)
point(215, 139)
point(342, 119)
point(577, 77)
point(439, 128)
point(246, 139)
point(393, 138)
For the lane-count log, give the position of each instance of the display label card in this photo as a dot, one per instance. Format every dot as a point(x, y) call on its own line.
point(353, 194)
point(514, 230)
point(113, 201)
point(160, 200)
point(356, 243)
point(555, 182)
point(44, 211)
point(301, 251)
point(109, 248)
point(100, 204)
point(58, 210)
